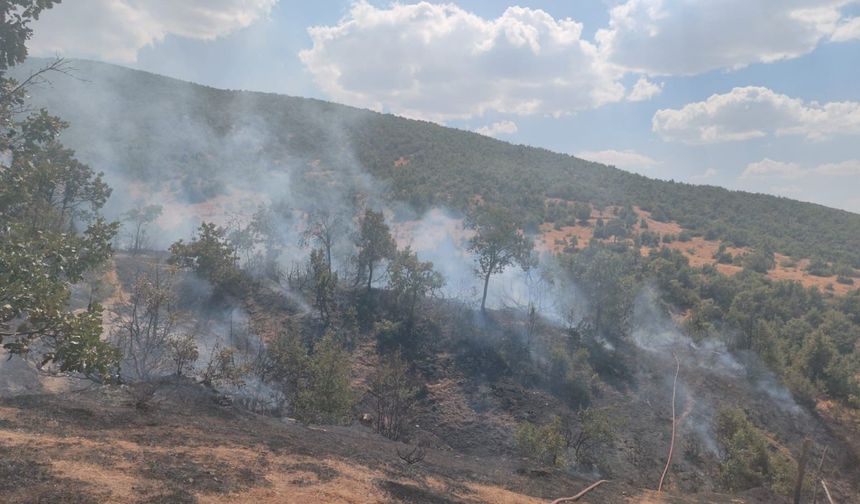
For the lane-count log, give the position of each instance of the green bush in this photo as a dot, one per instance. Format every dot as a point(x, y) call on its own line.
point(748, 461)
point(326, 396)
point(546, 443)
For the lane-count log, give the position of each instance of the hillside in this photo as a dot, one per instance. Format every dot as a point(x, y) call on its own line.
point(141, 127)
point(80, 442)
point(295, 290)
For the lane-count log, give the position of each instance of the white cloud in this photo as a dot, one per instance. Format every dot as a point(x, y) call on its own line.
point(753, 112)
point(117, 29)
point(848, 30)
point(847, 168)
point(769, 168)
point(498, 128)
point(684, 37)
point(619, 159)
point(644, 90)
point(440, 62)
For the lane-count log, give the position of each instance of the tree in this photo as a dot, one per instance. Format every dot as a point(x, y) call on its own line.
point(224, 368)
point(183, 351)
point(374, 243)
point(324, 286)
point(323, 227)
point(326, 395)
point(287, 360)
point(606, 277)
point(208, 254)
point(748, 462)
point(145, 324)
point(595, 427)
point(582, 212)
point(393, 394)
point(46, 196)
point(411, 280)
point(139, 219)
point(15, 31)
point(544, 443)
point(498, 243)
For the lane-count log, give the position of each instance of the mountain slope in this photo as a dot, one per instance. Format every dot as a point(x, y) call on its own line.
point(146, 127)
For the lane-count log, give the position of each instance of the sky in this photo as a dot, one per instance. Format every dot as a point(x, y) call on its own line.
point(755, 95)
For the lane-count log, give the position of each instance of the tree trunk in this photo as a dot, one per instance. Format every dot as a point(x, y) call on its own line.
point(369, 276)
point(484, 298)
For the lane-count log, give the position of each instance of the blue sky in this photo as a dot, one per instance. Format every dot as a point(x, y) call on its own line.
point(756, 95)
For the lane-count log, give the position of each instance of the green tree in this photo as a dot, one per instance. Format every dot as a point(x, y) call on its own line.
point(748, 462)
point(498, 243)
point(374, 243)
point(607, 278)
point(326, 397)
point(46, 195)
point(544, 443)
point(582, 212)
point(411, 280)
point(210, 255)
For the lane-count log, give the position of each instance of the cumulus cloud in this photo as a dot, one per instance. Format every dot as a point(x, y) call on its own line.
point(682, 37)
point(619, 159)
point(498, 128)
point(440, 62)
point(753, 112)
point(117, 29)
point(644, 90)
point(770, 168)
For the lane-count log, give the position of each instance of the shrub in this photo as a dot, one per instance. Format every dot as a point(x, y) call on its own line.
point(326, 397)
point(546, 444)
point(394, 395)
point(819, 267)
point(595, 427)
point(844, 280)
point(183, 352)
point(748, 461)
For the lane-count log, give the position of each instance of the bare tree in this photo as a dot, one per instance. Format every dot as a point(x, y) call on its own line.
point(139, 219)
point(145, 322)
point(323, 228)
point(183, 351)
point(413, 456)
point(393, 394)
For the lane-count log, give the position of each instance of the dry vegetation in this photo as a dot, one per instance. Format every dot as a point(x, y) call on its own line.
point(698, 250)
